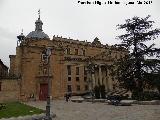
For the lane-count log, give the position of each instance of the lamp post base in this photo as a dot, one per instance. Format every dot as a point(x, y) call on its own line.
point(47, 118)
point(48, 106)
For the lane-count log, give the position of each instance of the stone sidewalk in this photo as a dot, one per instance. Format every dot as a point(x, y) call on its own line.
point(100, 111)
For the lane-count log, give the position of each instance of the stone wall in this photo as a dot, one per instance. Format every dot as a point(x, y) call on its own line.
point(12, 65)
point(3, 70)
point(10, 90)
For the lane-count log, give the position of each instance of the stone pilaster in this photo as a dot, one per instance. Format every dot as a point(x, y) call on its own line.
point(100, 75)
point(93, 80)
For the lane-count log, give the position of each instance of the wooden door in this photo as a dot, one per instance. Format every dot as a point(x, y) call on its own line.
point(43, 92)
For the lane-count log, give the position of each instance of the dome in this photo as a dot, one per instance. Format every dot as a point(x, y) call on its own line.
point(38, 21)
point(37, 34)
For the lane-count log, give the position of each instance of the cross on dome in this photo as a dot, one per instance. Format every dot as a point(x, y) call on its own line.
point(39, 13)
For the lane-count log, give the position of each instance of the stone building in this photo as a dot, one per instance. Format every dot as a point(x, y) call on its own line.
point(9, 87)
point(68, 65)
point(3, 70)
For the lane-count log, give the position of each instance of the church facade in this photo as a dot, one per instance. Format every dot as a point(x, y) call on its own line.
point(68, 68)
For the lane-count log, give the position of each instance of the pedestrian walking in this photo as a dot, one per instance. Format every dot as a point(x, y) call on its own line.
point(66, 97)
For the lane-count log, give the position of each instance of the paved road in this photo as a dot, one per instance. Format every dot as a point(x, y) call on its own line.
point(100, 111)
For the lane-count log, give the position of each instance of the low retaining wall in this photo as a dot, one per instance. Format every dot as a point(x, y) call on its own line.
point(30, 117)
point(153, 102)
point(10, 90)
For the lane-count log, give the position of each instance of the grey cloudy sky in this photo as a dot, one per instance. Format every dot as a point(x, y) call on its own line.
point(68, 18)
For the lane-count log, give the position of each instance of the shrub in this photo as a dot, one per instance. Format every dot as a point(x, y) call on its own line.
point(146, 95)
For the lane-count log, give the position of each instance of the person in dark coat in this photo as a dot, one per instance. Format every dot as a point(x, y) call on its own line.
point(66, 97)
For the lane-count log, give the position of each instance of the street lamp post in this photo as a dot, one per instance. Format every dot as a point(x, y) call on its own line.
point(46, 59)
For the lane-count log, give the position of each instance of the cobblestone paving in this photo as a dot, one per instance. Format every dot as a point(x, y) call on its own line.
point(100, 111)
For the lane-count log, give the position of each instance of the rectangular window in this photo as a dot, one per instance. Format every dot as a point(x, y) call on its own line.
point(76, 51)
point(84, 52)
point(77, 79)
point(69, 69)
point(85, 79)
point(86, 87)
point(77, 70)
point(0, 86)
point(78, 87)
point(69, 78)
point(69, 88)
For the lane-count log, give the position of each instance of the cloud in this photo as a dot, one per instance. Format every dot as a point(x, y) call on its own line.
point(1, 3)
point(8, 44)
point(157, 4)
point(5, 33)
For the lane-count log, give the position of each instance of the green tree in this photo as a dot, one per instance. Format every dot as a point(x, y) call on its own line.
point(138, 68)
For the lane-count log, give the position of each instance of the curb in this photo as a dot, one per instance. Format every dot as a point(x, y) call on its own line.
point(30, 117)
